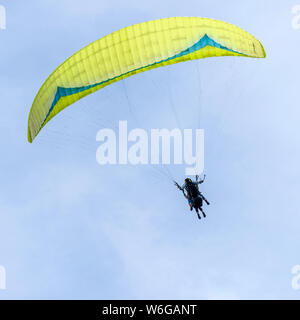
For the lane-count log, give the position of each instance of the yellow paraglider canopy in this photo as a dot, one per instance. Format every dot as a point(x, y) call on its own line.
point(132, 50)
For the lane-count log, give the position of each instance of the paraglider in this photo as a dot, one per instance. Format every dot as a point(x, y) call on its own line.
point(132, 50)
point(191, 192)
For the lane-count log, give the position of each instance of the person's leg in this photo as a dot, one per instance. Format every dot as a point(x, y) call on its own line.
point(199, 217)
point(204, 215)
point(190, 203)
point(202, 196)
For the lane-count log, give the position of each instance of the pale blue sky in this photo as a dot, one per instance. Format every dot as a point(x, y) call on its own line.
point(71, 229)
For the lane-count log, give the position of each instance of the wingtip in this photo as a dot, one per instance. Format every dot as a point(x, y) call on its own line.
point(29, 136)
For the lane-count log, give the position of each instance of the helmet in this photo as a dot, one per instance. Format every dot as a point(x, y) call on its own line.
point(188, 180)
